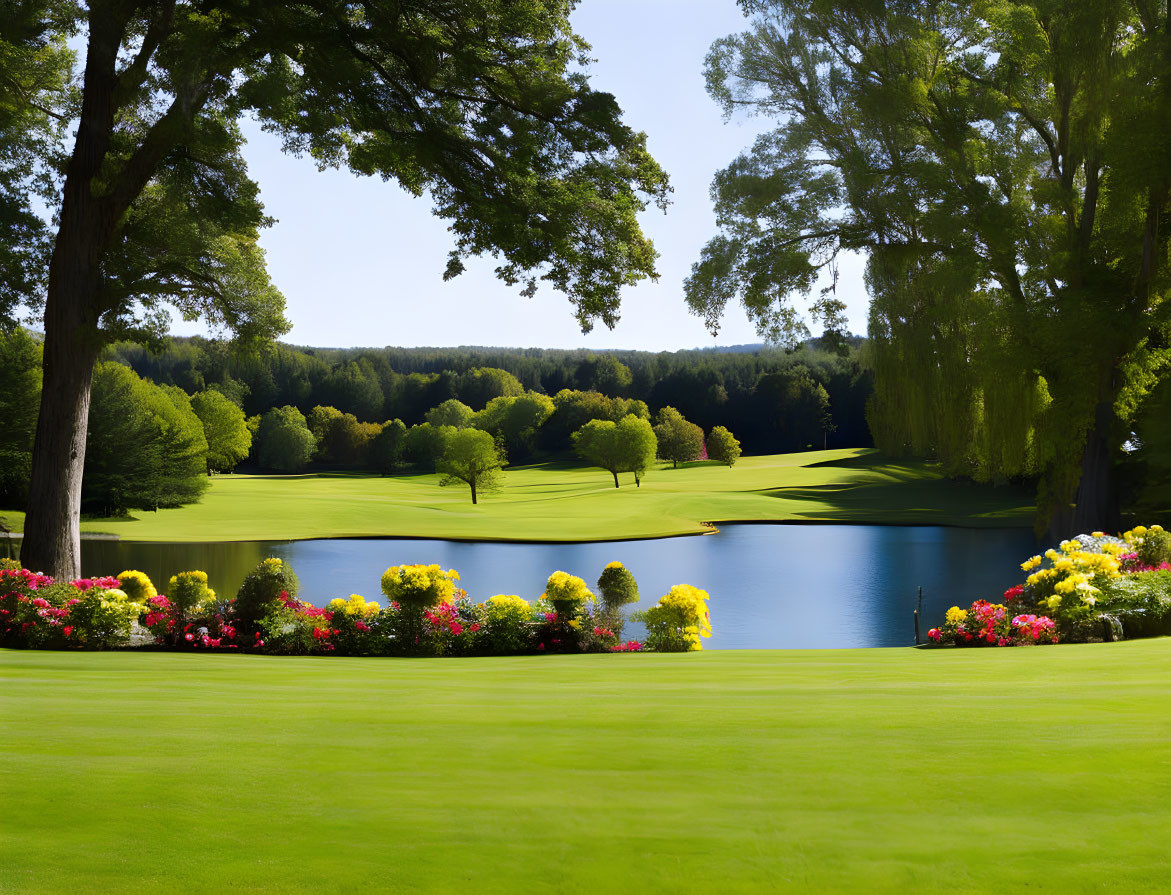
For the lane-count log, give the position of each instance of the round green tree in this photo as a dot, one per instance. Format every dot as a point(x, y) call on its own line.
point(678, 440)
point(473, 458)
point(228, 438)
point(617, 585)
point(285, 443)
point(722, 446)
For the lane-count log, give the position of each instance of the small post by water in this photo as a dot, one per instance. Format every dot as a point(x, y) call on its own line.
point(918, 612)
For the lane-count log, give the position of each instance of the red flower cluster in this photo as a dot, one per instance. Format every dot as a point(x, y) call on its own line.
point(446, 615)
point(1037, 627)
point(631, 646)
point(1014, 593)
point(23, 578)
point(107, 583)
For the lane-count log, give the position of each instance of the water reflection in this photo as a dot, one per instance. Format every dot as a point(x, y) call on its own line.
point(772, 586)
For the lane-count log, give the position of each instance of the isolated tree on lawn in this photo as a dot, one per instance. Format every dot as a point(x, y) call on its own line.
point(626, 446)
point(678, 439)
point(480, 103)
point(474, 458)
point(228, 438)
point(1006, 167)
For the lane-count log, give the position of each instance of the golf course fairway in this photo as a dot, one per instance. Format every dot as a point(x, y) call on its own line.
point(569, 502)
point(883, 770)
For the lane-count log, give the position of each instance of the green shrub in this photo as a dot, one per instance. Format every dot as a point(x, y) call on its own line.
point(677, 622)
point(1155, 548)
point(6, 563)
point(618, 586)
point(508, 622)
point(1141, 603)
point(189, 595)
point(261, 593)
point(357, 626)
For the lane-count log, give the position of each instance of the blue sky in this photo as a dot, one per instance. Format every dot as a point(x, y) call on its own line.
point(360, 262)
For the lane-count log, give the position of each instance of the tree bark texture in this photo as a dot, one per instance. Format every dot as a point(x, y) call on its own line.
point(52, 531)
point(52, 539)
point(1096, 506)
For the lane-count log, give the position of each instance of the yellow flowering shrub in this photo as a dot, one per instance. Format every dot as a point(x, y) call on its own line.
point(678, 621)
point(566, 592)
point(507, 620)
point(956, 615)
point(356, 605)
point(137, 585)
point(189, 590)
point(1069, 585)
point(419, 585)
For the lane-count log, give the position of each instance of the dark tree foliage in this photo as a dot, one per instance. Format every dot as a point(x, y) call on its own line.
point(1005, 166)
point(20, 394)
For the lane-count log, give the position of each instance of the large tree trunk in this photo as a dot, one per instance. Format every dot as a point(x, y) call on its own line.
point(52, 534)
point(1096, 505)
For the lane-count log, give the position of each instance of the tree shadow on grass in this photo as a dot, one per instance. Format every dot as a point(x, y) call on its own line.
point(878, 490)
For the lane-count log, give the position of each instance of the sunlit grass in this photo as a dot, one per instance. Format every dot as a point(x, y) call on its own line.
point(551, 502)
point(1039, 769)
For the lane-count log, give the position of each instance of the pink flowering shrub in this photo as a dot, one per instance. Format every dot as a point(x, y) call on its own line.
point(991, 624)
point(293, 627)
point(36, 612)
point(98, 612)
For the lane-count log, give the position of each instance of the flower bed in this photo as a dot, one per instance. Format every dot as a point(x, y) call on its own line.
point(1092, 587)
point(425, 615)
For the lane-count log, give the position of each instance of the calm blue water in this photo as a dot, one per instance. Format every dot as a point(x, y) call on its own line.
point(771, 586)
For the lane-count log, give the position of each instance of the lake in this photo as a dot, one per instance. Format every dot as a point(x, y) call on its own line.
point(771, 586)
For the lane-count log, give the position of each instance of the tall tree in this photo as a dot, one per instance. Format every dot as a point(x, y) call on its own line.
point(472, 457)
point(1015, 150)
point(228, 438)
point(147, 447)
point(482, 103)
point(283, 440)
point(677, 438)
point(515, 420)
point(626, 446)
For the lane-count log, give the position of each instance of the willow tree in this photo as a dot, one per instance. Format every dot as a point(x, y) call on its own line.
point(1005, 166)
point(483, 104)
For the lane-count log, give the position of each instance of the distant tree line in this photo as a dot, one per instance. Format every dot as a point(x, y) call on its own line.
point(774, 400)
point(161, 423)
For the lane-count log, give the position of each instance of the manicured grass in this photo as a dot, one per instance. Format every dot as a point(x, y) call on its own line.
point(864, 771)
point(551, 502)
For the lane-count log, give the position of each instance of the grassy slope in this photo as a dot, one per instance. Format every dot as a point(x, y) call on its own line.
point(864, 770)
point(560, 502)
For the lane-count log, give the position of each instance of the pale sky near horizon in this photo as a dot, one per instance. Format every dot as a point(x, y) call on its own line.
point(360, 262)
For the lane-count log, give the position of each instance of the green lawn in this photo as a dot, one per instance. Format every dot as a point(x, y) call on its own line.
point(563, 502)
point(1044, 769)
